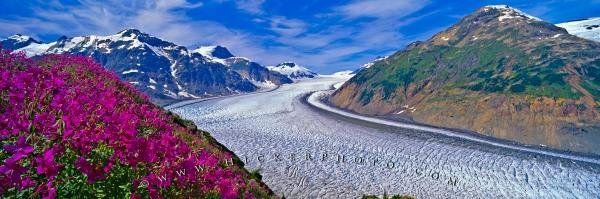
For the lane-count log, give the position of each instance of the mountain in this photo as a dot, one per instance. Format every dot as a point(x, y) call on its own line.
point(499, 72)
point(587, 28)
point(293, 70)
point(258, 74)
point(163, 70)
point(18, 41)
point(368, 65)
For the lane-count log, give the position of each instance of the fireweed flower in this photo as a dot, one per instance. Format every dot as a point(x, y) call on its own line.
point(70, 128)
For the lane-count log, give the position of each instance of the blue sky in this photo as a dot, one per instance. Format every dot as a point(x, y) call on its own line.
point(325, 36)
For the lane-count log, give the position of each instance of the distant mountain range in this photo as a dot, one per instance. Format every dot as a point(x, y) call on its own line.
point(165, 71)
point(498, 71)
point(293, 70)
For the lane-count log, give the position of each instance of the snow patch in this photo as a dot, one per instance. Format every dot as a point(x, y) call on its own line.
point(368, 65)
point(20, 38)
point(266, 84)
point(587, 29)
point(130, 71)
point(35, 49)
point(292, 70)
point(510, 12)
point(205, 51)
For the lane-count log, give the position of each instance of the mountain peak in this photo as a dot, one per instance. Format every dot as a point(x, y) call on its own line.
point(217, 51)
point(17, 41)
point(508, 12)
point(496, 22)
point(62, 38)
point(130, 32)
point(293, 70)
point(133, 34)
point(22, 38)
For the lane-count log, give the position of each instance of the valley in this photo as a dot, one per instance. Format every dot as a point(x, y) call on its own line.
point(303, 152)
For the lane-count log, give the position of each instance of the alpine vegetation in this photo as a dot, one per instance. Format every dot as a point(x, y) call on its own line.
point(69, 128)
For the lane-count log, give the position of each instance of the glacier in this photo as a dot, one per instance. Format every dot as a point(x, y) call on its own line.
point(303, 151)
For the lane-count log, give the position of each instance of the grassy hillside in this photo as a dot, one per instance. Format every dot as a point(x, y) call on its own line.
point(497, 72)
point(71, 129)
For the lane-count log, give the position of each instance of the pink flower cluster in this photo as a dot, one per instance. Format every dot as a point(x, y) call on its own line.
point(58, 107)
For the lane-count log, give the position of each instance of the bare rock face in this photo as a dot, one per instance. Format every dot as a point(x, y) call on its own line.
point(499, 72)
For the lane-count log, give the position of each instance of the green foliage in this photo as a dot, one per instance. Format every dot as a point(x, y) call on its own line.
point(74, 184)
point(255, 174)
point(593, 88)
point(365, 96)
point(553, 90)
point(517, 88)
point(489, 66)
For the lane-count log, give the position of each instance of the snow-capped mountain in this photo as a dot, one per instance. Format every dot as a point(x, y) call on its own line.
point(17, 41)
point(293, 70)
point(508, 12)
point(499, 54)
point(259, 75)
point(163, 70)
point(587, 28)
point(214, 52)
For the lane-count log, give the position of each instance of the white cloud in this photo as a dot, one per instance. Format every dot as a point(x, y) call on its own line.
point(317, 45)
point(381, 8)
point(250, 6)
point(287, 27)
point(164, 18)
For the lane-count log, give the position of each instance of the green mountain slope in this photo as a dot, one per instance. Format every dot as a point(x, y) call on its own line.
point(499, 72)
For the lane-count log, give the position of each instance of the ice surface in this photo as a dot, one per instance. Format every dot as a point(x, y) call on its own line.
point(588, 28)
point(341, 74)
point(264, 129)
point(35, 49)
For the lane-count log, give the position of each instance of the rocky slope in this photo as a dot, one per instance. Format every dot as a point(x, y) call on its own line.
point(163, 70)
point(499, 72)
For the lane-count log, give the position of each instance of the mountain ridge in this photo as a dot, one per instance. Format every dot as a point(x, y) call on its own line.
point(499, 72)
point(165, 71)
